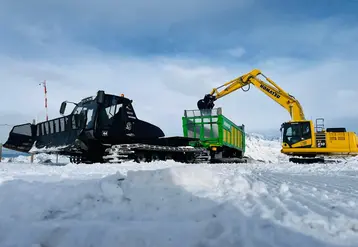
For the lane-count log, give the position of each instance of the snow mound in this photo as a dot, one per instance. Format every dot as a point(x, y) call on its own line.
point(42, 158)
point(143, 208)
point(261, 149)
point(140, 195)
point(189, 205)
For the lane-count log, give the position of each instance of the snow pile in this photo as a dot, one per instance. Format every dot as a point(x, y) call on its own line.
point(261, 149)
point(170, 207)
point(38, 158)
point(181, 205)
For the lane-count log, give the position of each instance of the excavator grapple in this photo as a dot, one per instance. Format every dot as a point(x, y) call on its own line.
point(206, 103)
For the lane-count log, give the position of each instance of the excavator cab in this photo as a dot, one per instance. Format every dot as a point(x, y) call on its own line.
point(297, 134)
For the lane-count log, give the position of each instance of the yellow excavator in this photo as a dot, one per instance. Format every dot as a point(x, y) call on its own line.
point(303, 141)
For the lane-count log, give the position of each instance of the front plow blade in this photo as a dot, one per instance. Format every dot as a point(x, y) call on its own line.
point(21, 138)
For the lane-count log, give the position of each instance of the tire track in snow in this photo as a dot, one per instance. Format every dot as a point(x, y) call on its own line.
point(323, 204)
point(299, 216)
point(326, 193)
point(336, 218)
point(252, 191)
point(326, 187)
point(307, 214)
point(263, 195)
point(302, 200)
point(284, 198)
point(267, 204)
point(328, 201)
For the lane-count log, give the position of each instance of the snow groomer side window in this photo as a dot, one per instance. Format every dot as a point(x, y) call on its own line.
point(90, 118)
point(113, 106)
point(90, 112)
point(113, 110)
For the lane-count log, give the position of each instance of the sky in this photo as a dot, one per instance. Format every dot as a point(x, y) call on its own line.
point(166, 55)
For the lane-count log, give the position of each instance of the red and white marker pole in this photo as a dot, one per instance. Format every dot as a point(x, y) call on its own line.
point(45, 91)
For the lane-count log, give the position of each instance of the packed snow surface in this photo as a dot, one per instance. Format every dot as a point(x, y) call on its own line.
point(267, 203)
point(173, 204)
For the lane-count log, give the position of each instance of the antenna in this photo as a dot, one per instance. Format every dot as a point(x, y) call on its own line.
point(45, 92)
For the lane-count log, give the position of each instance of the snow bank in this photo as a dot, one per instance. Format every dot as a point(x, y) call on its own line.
point(184, 205)
point(38, 158)
point(144, 208)
point(261, 149)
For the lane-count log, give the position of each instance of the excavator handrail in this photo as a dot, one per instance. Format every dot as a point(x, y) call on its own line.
point(270, 88)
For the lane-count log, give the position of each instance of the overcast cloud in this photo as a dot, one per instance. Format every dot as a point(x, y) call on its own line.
point(165, 55)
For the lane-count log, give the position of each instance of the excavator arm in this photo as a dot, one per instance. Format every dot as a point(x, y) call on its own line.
point(268, 87)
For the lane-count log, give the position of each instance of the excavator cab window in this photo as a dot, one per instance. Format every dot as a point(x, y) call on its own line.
point(294, 132)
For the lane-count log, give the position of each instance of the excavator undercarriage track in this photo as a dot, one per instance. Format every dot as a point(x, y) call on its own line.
point(147, 153)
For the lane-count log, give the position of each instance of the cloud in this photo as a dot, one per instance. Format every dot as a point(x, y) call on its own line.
point(189, 28)
point(167, 55)
point(162, 87)
point(236, 52)
point(132, 16)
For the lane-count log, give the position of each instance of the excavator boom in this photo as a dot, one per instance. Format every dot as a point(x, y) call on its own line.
point(268, 87)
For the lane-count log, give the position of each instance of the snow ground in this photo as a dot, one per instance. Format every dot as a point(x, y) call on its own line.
point(268, 203)
point(172, 204)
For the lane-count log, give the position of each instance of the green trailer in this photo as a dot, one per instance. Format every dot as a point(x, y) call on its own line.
point(217, 133)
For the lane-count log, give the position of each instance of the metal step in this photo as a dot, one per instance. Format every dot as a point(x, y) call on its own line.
point(321, 136)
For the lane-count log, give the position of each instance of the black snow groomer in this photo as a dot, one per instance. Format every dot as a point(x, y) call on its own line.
point(103, 128)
